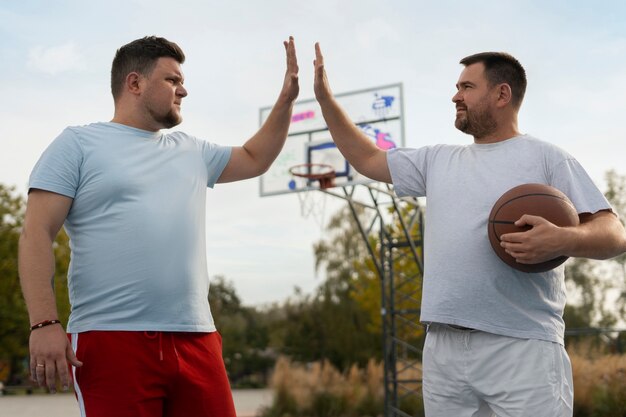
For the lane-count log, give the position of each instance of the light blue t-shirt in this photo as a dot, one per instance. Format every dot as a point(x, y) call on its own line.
point(465, 283)
point(136, 225)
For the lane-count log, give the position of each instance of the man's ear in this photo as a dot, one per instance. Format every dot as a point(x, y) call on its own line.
point(505, 95)
point(133, 83)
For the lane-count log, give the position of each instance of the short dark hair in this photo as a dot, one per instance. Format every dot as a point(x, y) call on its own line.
point(141, 56)
point(501, 67)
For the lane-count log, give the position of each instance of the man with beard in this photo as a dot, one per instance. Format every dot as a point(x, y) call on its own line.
point(133, 201)
point(495, 335)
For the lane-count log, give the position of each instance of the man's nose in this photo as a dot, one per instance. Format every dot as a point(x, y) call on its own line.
point(181, 91)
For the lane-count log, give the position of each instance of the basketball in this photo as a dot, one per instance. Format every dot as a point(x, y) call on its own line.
point(534, 199)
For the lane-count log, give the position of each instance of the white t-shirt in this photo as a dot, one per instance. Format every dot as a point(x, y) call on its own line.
point(465, 283)
point(136, 225)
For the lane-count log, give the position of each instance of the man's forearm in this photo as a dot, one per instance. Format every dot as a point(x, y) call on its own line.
point(267, 143)
point(601, 237)
point(353, 144)
point(36, 269)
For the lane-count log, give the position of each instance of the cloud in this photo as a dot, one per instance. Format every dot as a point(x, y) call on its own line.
point(54, 60)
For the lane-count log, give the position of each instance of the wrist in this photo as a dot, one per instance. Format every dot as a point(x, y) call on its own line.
point(285, 102)
point(44, 323)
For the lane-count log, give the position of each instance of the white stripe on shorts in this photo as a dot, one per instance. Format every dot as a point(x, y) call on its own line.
point(79, 395)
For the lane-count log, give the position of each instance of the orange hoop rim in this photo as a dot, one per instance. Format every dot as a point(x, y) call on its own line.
point(325, 178)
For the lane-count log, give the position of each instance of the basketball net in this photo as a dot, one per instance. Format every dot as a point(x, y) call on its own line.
point(313, 205)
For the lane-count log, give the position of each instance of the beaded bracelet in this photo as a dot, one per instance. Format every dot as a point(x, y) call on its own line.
point(44, 324)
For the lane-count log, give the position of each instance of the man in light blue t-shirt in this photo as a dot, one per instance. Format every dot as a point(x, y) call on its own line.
point(495, 335)
point(132, 198)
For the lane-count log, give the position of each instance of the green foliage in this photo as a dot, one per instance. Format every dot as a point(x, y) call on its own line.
point(328, 326)
point(14, 322)
point(407, 294)
point(590, 289)
point(245, 336)
point(616, 194)
point(413, 405)
point(331, 324)
point(597, 289)
point(609, 400)
point(284, 404)
point(319, 389)
point(370, 406)
point(326, 404)
point(13, 315)
point(341, 321)
point(599, 384)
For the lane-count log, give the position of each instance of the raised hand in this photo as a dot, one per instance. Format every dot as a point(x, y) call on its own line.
point(291, 88)
point(320, 83)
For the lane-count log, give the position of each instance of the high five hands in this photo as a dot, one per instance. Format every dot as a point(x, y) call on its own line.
point(291, 88)
point(320, 83)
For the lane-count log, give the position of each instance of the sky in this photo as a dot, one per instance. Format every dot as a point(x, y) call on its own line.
point(56, 59)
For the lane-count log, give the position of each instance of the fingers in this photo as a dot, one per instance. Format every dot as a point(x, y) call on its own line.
point(318, 63)
point(319, 58)
point(64, 375)
point(530, 220)
point(50, 351)
point(292, 60)
point(44, 374)
point(526, 223)
point(290, 88)
point(50, 381)
point(38, 373)
point(320, 82)
point(71, 357)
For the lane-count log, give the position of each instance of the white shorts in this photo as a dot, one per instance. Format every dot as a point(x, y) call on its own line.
point(469, 373)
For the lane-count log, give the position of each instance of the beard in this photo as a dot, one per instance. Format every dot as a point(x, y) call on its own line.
point(167, 120)
point(477, 122)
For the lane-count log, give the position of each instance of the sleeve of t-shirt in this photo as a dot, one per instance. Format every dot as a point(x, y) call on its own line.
point(215, 159)
point(572, 179)
point(408, 171)
point(58, 168)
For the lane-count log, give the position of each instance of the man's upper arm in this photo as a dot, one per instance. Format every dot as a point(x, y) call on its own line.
point(240, 166)
point(46, 210)
point(377, 167)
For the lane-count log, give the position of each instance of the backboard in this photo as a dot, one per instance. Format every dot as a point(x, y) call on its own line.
point(377, 111)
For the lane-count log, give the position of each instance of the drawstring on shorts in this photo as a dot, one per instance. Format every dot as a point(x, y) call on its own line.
point(152, 335)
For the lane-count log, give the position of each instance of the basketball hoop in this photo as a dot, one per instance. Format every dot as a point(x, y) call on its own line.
point(310, 205)
point(322, 173)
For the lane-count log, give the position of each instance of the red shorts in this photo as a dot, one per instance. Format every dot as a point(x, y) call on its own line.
point(151, 374)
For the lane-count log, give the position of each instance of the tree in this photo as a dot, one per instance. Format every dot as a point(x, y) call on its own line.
point(616, 194)
point(407, 285)
point(597, 289)
point(331, 324)
point(13, 315)
point(245, 335)
point(14, 322)
point(342, 321)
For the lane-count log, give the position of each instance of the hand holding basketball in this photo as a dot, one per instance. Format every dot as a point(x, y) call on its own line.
point(534, 246)
point(528, 224)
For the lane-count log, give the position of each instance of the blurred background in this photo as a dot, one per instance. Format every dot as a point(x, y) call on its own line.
point(296, 299)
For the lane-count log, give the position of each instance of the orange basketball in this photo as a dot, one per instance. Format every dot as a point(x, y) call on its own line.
point(535, 199)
